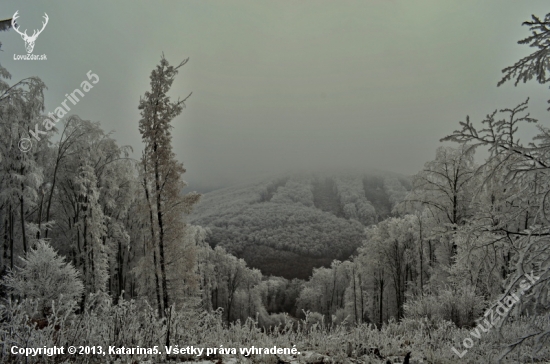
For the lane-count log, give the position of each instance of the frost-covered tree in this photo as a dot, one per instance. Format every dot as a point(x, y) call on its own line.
point(21, 175)
point(90, 230)
point(351, 193)
point(355, 306)
point(393, 243)
point(537, 64)
point(514, 219)
point(46, 277)
point(325, 291)
point(294, 191)
point(76, 191)
point(444, 188)
point(162, 175)
point(443, 185)
point(225, 281)
point(376, 279)
point(91, 188)
point(513, 222)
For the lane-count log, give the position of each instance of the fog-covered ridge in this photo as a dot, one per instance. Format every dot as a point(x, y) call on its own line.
point(288, 224)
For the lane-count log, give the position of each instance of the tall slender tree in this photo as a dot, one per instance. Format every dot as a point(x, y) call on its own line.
point(162, 173)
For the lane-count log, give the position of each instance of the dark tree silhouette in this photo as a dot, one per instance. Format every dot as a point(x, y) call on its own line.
point(5, 25)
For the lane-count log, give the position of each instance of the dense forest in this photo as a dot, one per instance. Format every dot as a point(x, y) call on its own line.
point(101, 249)
point(288, 225)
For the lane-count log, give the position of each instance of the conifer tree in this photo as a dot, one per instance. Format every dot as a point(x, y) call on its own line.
point(45, 276)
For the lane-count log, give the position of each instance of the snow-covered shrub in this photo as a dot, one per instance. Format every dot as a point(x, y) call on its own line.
point(45, 277)
point(313, 320)
point(461, 306)
point(341, 317)
point(19, 328)
point(136, 323)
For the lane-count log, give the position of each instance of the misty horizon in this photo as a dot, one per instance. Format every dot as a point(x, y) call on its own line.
point(281, 88)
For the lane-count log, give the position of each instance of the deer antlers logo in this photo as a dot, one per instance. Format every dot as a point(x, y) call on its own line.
point(29, 40)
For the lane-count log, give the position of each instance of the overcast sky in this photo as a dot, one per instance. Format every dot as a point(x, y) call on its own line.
point(285, 85)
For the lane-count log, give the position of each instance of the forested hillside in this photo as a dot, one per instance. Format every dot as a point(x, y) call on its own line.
point(288, 225)
point(100, 250)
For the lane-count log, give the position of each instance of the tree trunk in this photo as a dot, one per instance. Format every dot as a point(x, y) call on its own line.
point(5, 245)
point(361, 292)
point(354, 296)
point(51, 191)
point(86, 249)
point(11, 218)
point(162, 260)
point(421, 256)
point(157, 285)
point(120, 271)
point(381, 287)
point(22, 213)
point(154, 243)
